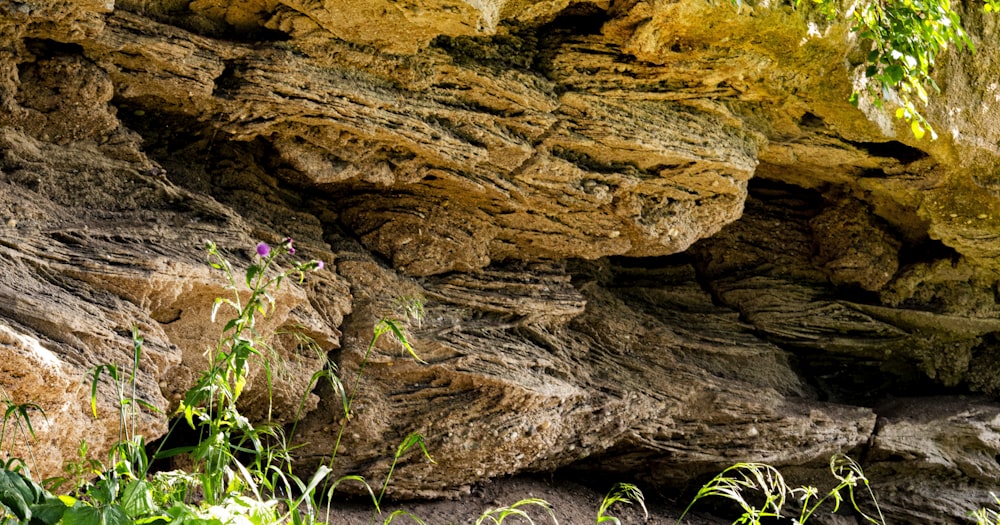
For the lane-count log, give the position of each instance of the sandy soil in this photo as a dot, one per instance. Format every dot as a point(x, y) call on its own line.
point(572, 503)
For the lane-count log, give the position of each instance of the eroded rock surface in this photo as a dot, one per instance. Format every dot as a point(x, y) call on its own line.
point(650, 239)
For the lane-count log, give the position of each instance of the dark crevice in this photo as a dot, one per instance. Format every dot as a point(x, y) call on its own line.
point(927, 251)
point(892, 149)
point(866, 449)
point(51, 48)
point(811, 121)
point(802, 202)
point(508, 51)
point(574, 24)
point(588, 163)
point(228, 81)
point(855, 381)
point(577, 19)
point(178, 14)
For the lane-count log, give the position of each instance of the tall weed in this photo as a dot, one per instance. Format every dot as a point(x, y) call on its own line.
point(761, 492)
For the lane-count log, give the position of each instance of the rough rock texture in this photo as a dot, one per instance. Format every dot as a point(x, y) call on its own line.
point(651, 238)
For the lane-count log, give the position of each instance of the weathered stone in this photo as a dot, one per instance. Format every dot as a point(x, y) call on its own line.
point(643, 378)
point(81, 273)
point(954, 442)
point(791, 264)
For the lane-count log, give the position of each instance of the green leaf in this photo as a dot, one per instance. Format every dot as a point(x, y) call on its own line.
point(149, 406)
point(921, 92)
point(918, 130)
point(13, 501)
point(48, 512)
point(894, 74)
point(112, 371)
point(17, 493)
point(155, 520)
point(402, 339)
point(189, 415)
point(171, 452)
point(253, 271)
point(231, 324)
point(81, 514)
point(137, 499)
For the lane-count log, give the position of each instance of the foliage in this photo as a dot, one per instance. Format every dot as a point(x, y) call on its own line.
point(25, 501)
point(621, 493)
point(906, 36)
point(241, 473)
point(17, 419)
point(986, 516)
point(903, 40)
point(767, 482)
point(211, 405)
point(498, 515)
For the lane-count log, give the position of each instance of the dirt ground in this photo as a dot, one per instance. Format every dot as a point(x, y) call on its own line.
point(572, 504)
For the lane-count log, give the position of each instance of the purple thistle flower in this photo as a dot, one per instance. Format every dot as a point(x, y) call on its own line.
point(263, 249)
point(320, 265)
point(288, 242)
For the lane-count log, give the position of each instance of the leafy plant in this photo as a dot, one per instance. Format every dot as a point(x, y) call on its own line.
point(411, 441)
point(213, 404)
point(987, 516)
point(125, 493)
point(621, 493)
point(904, 39)
point(767, 482)
point(120, 494)
point(414, 308)
point(498, 515)
point(25, 501)
point(17, 417)
point(213, 401)
point(391, 518)
point(77, 473)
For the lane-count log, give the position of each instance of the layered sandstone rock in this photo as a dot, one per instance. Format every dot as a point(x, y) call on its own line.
point(651, 239)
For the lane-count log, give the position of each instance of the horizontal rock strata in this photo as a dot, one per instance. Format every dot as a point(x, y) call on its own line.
point(636, 238)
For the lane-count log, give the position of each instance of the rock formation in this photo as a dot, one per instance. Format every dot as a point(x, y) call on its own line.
point(650, 238)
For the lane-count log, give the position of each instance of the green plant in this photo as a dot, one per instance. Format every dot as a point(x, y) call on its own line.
point(230, 491)
point(242, 472)
point(383, 327)
point(211, 406)
point(213, 402)
point(24, 501)
point(906, 37)
point(391, 518)
point(986, 516)
point(621, 493)
point(498, 515)
point(386, 325)
point(120, 494)
point(18, 417)
point(768, 482)
point(903, 40)
point(77, 473)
